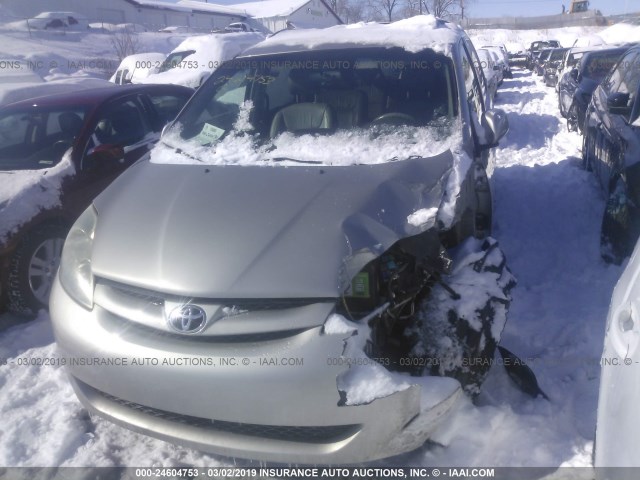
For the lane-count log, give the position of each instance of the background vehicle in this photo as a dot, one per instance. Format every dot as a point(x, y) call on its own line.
point(138, 66)
point(501, 51)
point(59, 20)
point(279, 119)
point(191, 62)
point(610, 145)
point(541, 60)
point(175, 29)
point(576, 88)
point(552, 66)
point(56, 154)
point(536, 48)
point(491, 71)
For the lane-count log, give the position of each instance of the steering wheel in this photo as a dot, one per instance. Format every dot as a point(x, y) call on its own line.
point(394, 118)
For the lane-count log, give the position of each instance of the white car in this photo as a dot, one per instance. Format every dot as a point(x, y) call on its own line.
point(617, 431)
point(57, 20)
point(491, 72)
point(503, 54)
point(191, 63)
point(136, 67)
point(175, 29)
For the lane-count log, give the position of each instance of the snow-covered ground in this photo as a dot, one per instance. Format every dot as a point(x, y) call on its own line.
point(547, 219)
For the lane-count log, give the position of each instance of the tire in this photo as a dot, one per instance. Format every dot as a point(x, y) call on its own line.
point(32, 269)
point(619, 230)
point(572, 118)
point(461, 321)
point(588, 149)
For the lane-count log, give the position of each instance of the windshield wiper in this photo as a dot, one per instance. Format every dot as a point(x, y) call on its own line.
point(295, 160)
point(182, 152)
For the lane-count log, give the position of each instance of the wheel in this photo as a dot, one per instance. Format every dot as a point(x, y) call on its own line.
point(33, 269)
point(572, 118)
point(461, 321)
point(394, 118)
point(588, 149)
point(620, 221)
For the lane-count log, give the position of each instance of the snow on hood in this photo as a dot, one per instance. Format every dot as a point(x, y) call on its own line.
point(413, 34)
point(24, 193)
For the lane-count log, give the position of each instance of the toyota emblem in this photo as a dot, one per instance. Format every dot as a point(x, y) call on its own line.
point(187, 319)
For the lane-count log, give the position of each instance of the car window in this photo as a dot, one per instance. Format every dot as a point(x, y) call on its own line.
point(167, 106)
point(121, 123)
point(38, 137)
point(174, 60)
point(624, 78)
point(597, 66)
point(475, 98)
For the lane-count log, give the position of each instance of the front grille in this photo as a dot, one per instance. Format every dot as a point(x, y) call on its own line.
point(313, 434)
point(248, 320)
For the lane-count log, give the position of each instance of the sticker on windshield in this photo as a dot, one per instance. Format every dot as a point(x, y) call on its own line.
point(209, 134)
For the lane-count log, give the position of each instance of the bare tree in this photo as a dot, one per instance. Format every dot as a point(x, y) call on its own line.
point(384, 9)
point(441, 8)
point(351, 11)
point(125, 43)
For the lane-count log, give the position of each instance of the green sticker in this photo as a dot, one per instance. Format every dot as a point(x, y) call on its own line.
point(209, 134)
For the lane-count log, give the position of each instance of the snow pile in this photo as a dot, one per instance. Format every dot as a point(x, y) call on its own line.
point(621, 33)
point(24, 193)
point(514, 38)
point(425, 218)
point(365, 380)
point(461, 165)
point(413, 34)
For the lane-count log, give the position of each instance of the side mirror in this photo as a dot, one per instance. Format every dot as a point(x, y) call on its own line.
point(104, 154)
point(618, 103)
point(495, 125)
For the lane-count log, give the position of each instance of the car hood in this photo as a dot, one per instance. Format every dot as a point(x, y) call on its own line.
point(261, 232)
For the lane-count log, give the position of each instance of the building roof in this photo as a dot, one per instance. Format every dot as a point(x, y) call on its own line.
point(190, 6)
point(276, 8)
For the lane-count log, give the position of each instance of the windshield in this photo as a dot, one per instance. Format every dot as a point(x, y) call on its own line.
point(174, 60)
point(305, 106)
point(37, 138)
point(557, 55)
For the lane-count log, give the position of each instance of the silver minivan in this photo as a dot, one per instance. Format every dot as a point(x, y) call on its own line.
point(302, 270)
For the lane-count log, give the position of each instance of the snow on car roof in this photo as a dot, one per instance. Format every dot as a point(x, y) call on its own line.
point(210, 51)
point(203, 43)
point(413, 34)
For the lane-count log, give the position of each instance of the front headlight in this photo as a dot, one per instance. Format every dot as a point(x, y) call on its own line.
point(75, 265)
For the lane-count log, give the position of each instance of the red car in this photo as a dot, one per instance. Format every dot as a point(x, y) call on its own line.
point(57, 153)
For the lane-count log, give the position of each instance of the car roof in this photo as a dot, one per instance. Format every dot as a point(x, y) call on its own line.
point(91, 96)
point(413, 34)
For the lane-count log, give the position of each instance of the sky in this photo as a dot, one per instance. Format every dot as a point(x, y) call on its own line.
point(498, 8)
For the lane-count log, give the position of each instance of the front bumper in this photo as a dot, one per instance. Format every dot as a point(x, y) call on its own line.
point(273, 398)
